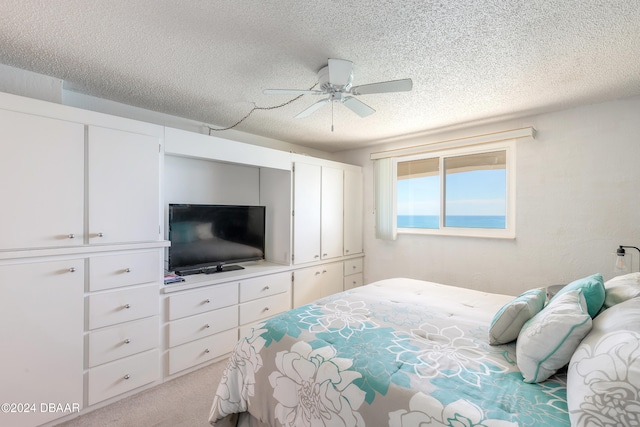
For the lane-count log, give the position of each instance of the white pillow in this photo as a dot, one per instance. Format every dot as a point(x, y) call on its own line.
point(508, 321)
point(603, 380)
point(621, 288)
point(548, 340)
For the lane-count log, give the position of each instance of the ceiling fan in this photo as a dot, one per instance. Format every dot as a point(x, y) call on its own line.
point(335, 81)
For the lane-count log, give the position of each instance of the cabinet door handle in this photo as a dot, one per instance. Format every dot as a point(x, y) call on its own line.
point(266, 288)
point(127, 306)
point(72, 270)
point(207, 301)
point(266, 309)
point(206, 350)
point(317, 273)
point(126, 377)
point(346, 251)
point(324, 254)
point(71, 236)
point(127, 341)
point(127, 270)
point(206, 326)
point(317, 256)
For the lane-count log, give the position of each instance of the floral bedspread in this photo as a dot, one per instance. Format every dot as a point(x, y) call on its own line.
point(396, 353)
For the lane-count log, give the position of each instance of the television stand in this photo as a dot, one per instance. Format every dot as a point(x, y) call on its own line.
point(221, 268)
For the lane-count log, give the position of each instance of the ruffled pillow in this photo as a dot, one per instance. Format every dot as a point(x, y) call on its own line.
point(508, 321)
point(548, 340)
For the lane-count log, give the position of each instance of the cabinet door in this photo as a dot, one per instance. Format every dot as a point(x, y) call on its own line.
point(353, 209)
point(331, 213)
point(42, 314)
point(307, 284)
point(124, 192)
point(332, 278)
point(42, 175)
point(306, 219)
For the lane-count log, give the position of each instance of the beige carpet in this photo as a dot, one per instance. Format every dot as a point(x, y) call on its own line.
point(182, 402)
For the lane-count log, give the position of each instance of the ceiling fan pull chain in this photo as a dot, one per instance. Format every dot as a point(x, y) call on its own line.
point(331, 116)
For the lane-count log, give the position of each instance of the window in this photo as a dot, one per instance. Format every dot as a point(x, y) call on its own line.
point(465, 191)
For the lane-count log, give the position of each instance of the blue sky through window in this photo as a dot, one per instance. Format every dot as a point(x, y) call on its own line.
point(480, 192)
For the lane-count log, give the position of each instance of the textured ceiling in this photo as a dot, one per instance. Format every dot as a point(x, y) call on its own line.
point(209, 61)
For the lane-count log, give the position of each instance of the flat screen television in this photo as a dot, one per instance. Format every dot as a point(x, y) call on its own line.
point(207, 238)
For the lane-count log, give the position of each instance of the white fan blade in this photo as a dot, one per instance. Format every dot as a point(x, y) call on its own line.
point(292, 92)
point(312, 109)
point(358, 107)
point(403, 85)
point(340, 72)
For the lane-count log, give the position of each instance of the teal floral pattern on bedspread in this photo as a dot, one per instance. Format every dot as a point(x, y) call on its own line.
point(358, 359)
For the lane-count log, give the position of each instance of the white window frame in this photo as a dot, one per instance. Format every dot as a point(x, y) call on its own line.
point(509, 232)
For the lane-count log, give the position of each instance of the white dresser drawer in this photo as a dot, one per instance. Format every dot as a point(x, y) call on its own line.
point(262, 308)
point(195, 352)
point(259, 287)
point(202, 325)
point(353, 281)
point(112, 307)
point(118, 377)
point(195, 302)
point(123, 340)
point(114, 271)
point(353, 266)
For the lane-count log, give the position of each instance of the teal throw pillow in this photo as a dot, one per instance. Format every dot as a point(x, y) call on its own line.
point(593, 290)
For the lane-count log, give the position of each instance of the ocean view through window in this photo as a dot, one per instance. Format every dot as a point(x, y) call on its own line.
point(459, 192)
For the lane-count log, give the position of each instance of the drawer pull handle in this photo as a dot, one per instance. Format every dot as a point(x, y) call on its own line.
point(127, 270)
point(127, 306)
point(317, 256)
point(100, 234)
point(206, 350)
point(324, 254)
point(346, 251)
point(207, 301)
point(324, 271)
point(71, 236)
point(266, 309)
point(354, 282)
point(353, 266)
point(266, 288)
point(126, 377)
point(207, 326)
point(317, 272)
point(127, 341)
point(72, 270)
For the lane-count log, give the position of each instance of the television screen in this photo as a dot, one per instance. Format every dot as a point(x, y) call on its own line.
point(206, 237)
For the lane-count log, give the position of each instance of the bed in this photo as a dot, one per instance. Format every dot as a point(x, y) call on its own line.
point(403, 352)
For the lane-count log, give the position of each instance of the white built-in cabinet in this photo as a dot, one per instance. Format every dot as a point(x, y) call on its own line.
point(80, 258)
point(123, 186)
point(331, 212)
point(42, 175)
point(312, 283)
point(41, 313)
point(306, 213)
point(87, 318)
point(43, 169)
point(353, 211)
point(327, 220)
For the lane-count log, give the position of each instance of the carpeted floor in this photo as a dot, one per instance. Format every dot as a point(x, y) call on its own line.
point(182, 402)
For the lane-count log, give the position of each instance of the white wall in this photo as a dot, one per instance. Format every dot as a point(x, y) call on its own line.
point(206, 182)
point(578, 188)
